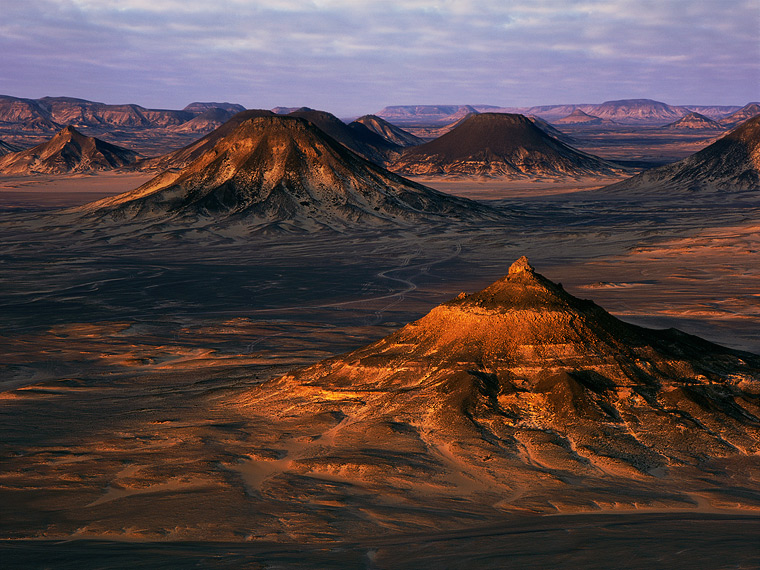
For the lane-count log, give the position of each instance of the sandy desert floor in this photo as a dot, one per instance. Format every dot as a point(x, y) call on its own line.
point(121, 359)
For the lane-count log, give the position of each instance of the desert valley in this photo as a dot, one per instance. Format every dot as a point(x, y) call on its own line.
point(437, 336)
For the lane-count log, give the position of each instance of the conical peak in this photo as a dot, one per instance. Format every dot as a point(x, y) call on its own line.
point(522, 288)
point(70, 132)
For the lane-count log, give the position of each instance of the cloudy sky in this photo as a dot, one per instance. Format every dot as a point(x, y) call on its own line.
point(355, 56)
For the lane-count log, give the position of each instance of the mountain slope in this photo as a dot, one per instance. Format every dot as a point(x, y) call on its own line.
point(499, 144)
point(68, 151)
point(277, 169)
point(730, 163)
point(7, 148)
point(744, 114)
point(83, 113)
point(26, 115)
point(525, 396)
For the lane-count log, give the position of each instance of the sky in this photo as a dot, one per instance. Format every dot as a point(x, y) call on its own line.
point(352, 57)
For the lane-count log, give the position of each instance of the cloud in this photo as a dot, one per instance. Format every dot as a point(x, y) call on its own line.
point(361, 54)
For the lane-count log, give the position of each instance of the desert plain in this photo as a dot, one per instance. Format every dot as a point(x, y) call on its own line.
point(135, 432)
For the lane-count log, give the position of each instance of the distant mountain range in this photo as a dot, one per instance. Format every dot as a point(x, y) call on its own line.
point(50, 114)
point(626, 111)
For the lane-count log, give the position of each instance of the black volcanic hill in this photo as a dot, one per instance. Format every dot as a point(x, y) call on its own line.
point(391, 133)
point(499, 144)
point(694, 121)
point(730, 163)
point(271, 170)
point(356, 137)
point(524, 392)
point(68, 151)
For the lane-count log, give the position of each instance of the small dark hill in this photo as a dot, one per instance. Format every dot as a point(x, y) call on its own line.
point(499, 144)
point(68, 151)
point(198, 107)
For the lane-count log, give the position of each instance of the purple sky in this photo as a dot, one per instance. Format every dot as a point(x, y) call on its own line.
point(355, 56)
